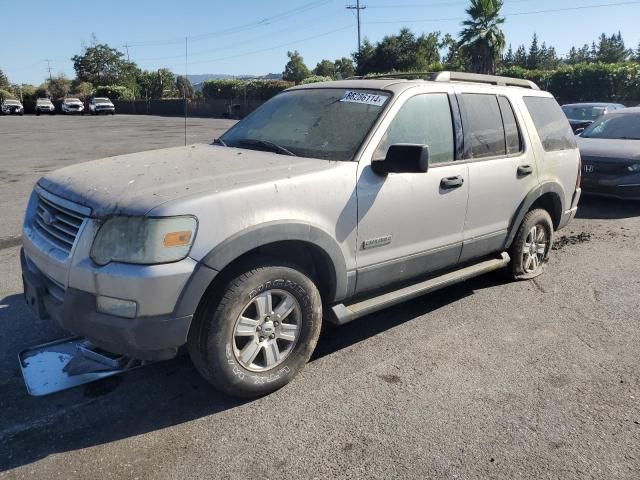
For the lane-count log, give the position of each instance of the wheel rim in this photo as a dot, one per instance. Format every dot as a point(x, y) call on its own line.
point(535, 248)
point(266, 330)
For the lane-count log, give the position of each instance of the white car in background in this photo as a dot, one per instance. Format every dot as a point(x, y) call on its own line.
point(72, 105)
point(11, 106)
point(101, 105)
point(44, 105)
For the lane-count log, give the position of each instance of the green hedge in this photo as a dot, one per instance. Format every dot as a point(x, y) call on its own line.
point(613, 82)
point(240, 89)
point(113, 92)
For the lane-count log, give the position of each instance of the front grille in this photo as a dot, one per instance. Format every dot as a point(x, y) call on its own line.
point(57, 224)
point(605, 168)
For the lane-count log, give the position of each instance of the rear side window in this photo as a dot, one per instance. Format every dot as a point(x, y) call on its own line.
point(426, 120)
point(511, 130)
point(552, 125)
point(484, 125)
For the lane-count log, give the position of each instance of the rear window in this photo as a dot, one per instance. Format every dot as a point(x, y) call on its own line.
point(553, 127)
point(484, 125)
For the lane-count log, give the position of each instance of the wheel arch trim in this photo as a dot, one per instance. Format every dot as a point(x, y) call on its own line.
point(551, 187)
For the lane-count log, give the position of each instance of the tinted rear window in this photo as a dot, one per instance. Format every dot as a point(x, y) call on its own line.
point(484, 125)
point(552, 125)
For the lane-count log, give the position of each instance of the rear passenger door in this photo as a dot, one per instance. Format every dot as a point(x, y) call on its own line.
point(502, 168)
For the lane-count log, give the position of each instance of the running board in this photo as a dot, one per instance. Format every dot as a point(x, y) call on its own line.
point(347, 313)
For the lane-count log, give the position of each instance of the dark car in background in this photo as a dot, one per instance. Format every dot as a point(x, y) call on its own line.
point(610, 150)
point(581, 115)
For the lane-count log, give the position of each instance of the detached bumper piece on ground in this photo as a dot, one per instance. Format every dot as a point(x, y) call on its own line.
point(67, 363)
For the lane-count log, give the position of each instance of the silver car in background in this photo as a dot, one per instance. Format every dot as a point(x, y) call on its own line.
point(44, 105)
point(72, 105)
point(99, 105)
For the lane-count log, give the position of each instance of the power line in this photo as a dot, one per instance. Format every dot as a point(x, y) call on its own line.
point(237, 28)
point(357, 8)
point(554, 10)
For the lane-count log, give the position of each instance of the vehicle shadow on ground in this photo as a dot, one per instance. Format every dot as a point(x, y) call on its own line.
point(152, 398)
point(600, 208)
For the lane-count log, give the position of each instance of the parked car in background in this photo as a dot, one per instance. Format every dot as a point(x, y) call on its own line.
point(72, 105)
point(610, 150)
point(240, 249)
point(581, 115)
point(44, 105)
point(11, 107)
point(99, 105)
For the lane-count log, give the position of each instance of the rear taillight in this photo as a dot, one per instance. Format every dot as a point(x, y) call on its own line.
point(579, 179)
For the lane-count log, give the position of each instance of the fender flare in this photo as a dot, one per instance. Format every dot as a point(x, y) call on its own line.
point(552, 187)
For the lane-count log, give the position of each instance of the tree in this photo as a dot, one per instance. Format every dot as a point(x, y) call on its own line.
point(636, 55)
point(365, 59)
point(183, 86)
point(325, 68)
point(4, 80)
point(344, 68)
point(520, 58)
point(482, 36)
point(59, 86)
point(508, 60)
point(611, 49)
point(82, 89)
point(295, 70)
point(533, 59)
point(102, 65)
point(455, 58)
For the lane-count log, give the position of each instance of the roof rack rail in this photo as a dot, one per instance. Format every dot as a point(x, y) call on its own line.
point(457, 77)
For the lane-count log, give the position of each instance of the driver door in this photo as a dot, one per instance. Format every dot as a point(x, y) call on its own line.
point(410, 224)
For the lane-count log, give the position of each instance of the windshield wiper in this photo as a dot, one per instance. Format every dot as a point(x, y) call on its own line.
point(250, 142)
point(219, 141)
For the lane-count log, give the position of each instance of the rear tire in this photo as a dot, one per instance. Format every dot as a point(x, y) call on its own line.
point(257, 334)
point(532, 245)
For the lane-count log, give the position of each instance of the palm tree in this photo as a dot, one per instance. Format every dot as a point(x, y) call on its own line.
point(482, 36)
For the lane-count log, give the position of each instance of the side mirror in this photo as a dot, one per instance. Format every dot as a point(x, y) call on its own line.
point(579, 131)
point(403, 158)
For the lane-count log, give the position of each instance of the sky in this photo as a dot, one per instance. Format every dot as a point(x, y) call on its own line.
point(253, 36)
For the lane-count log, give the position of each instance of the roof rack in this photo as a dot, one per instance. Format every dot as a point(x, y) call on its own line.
point(458, 77)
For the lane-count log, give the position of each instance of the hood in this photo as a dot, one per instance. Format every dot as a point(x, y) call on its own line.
point(136, 183)
point(606, 148)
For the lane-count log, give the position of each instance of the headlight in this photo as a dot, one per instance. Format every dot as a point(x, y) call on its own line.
point(143, 240)
point(634, 168)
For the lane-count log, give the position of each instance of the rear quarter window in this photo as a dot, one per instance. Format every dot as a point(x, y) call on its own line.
point(552, 125)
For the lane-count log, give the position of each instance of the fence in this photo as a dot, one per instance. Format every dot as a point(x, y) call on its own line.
point(217, 108)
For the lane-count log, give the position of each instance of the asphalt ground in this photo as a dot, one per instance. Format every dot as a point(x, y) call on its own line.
point(486, 379)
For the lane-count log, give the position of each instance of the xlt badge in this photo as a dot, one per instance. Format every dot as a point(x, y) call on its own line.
point(376, 242)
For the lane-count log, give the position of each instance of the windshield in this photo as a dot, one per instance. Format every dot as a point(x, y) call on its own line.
point(70, 100)
point(102, 100)
point(622, 127)
point(12, 102)
point(325, 123)
point(43, 100)
point(583, 113)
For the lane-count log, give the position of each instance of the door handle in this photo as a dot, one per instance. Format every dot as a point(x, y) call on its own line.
point(524, 170)
point(449, 183)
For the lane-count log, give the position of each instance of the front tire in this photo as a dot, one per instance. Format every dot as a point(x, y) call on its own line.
point(532, 245)
point(257, 334)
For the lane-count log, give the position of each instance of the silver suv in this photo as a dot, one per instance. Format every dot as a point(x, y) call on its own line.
point(329, 202)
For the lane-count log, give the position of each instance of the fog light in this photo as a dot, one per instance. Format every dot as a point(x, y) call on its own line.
point(117, 307)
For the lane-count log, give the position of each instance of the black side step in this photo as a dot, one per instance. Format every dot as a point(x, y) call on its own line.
point(348, 313)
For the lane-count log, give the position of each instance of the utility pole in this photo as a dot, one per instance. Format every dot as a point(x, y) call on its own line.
point(48, 67)
point(126, 47)
point(357, 8)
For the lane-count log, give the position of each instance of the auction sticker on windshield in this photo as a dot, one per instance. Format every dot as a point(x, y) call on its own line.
point(366, 98)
